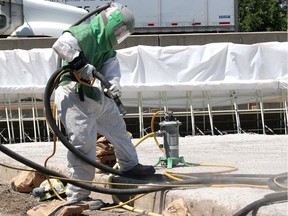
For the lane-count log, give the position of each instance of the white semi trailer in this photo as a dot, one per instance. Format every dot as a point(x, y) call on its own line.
point(161, 16)
point(152, 16)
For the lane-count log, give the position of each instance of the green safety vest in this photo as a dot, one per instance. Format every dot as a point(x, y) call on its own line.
point(96, 48)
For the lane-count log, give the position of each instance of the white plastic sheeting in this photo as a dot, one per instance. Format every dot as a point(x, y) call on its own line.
point(218, 74)
point(218, 66)
point(26, 71)
point(169, 72)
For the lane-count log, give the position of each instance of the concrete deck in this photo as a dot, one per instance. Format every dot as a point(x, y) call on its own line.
point(250, 153)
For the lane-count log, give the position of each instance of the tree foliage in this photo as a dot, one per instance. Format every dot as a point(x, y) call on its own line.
point(262, 15)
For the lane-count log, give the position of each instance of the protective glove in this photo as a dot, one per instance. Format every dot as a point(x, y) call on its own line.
point(113, 91)
point(86, 72)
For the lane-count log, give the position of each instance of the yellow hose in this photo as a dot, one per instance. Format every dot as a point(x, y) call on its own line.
point(125, 204)
point(153, 130)
point(233, 168)
point(277, 183)
point(53, 153)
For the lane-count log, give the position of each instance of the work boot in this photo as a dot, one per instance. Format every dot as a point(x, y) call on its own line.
point(140, 171)
point(93, 204)
point(96, 204)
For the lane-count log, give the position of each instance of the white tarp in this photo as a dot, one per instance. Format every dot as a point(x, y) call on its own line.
point(218, 66)
point(175, 69)
point(26, 71)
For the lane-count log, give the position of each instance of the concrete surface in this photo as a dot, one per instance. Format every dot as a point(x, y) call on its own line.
point(159, 40)
point(250, 153)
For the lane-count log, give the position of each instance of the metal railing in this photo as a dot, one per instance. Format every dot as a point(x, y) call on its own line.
point(22, 118)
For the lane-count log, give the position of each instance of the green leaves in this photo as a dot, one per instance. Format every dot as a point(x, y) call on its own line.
point(262, 15)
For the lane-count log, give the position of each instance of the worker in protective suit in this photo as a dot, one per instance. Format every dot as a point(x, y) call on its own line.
point(86, 110)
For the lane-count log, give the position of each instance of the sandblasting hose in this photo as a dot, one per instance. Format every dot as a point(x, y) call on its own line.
point(65, 179)
point(51, 84)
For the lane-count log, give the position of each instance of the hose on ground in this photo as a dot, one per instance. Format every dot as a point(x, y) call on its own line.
point(267, 200)
point(94, 188)
point(217, 179)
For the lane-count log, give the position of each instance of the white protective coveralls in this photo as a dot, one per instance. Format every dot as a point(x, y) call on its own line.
point(97, 113)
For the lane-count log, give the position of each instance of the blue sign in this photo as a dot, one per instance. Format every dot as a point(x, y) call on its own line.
point(224, 17)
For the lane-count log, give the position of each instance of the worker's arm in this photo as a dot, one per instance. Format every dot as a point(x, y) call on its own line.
point(68, 49)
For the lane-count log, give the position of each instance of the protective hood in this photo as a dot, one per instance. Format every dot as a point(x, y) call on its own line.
point(119, 23)
point(93, 41)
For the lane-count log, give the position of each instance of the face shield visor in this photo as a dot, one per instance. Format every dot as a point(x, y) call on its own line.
point(119, 24)
point(121, 32)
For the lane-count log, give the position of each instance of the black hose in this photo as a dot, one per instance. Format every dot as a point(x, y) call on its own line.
point(189, 175)
point(97, 10)
point(267, 200)
point(168, 185)
point(280, 179)
point(46, 171)
point(223, 179)
point(65, 179)
point(51, 84)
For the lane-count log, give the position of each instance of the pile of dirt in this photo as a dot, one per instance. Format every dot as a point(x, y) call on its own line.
point(17, 204)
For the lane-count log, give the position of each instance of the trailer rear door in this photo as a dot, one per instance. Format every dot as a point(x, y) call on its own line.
point(183, 13)
point(221, 13)
point(146, 15)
